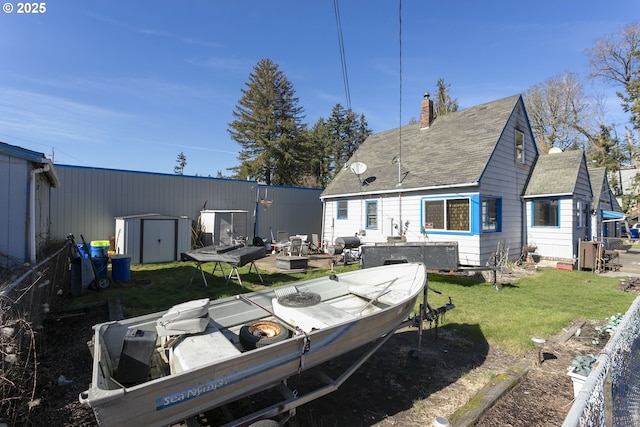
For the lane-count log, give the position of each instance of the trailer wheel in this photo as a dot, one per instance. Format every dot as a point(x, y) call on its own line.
point(262, 333)
point(265, 423)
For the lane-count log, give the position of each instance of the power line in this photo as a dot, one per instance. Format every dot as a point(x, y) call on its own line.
point(345, 78)
point(400, 96)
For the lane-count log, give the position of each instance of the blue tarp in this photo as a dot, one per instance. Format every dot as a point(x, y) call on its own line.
point(612, 215)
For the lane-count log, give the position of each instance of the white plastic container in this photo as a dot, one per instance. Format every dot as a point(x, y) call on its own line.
point(441, 422)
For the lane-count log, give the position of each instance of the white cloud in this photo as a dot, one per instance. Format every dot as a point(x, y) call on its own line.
point(36, 116)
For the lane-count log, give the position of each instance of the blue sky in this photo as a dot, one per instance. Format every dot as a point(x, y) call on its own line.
point(131, 84)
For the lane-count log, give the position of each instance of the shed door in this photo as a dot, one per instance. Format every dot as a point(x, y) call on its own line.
point(230, 226)
point(225, 228)
point(158, 240)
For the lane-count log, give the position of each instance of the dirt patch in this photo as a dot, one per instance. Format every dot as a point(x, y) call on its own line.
point(397, 386)
point(64, 369)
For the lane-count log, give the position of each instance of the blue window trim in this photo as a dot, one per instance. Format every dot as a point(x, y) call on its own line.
point(532, 211)
point(475, 213)
point(366, 214)
point(338, 216)
point(498, 214)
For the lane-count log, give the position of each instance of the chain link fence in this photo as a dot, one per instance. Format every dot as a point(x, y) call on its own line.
point(610, 395)
point(27, 294)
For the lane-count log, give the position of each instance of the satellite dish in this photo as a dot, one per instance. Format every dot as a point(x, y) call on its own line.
point(358, 168)
point(555, 150)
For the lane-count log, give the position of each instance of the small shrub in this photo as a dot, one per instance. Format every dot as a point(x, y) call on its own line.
point(608, 328)
point(582, 365)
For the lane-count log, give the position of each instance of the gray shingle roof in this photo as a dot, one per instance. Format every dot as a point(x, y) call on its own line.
point(454, 150)
point(596, 176)
point(555, 173)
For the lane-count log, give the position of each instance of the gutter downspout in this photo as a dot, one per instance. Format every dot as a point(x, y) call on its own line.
point(32, 212)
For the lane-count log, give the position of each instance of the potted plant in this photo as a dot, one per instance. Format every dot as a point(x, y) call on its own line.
point(579, 371)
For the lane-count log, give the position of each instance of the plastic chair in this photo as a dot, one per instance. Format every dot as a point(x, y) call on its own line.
point(283, 236)
point(295, 247)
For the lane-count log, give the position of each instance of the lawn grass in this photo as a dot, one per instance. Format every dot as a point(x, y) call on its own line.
point(537, 305)
point(155, 287)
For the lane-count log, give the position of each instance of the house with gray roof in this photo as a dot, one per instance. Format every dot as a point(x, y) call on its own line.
point(607, 216)
point(474, 177)
point(460, 177)
point(558, 204)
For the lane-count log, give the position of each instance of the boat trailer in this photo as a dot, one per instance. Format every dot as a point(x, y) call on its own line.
point(285, 398)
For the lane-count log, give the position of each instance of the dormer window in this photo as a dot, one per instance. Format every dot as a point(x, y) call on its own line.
point(519, 145)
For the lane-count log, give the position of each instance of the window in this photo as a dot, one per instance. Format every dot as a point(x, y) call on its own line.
point(342, 209)
point(519, 144)
point(584, 217)
point(546, 213)
point(446, 214)
point(580, 212)
point(372, 215)
point(490, 214)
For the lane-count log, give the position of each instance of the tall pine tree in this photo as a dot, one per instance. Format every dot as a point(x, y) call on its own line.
point(267, 125)
point(181, 164)
point(347, 131)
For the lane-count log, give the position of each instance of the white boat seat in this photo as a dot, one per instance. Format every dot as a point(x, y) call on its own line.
point(388, 297)
point(191, 317)
point(194, 351)
point(318, 316)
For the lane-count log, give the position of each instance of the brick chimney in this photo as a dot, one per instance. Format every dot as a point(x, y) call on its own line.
point(426, 112)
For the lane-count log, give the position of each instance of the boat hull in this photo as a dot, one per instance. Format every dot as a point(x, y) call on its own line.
point(175, 397)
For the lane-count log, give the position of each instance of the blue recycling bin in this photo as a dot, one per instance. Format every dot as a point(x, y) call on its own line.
point(634, 233)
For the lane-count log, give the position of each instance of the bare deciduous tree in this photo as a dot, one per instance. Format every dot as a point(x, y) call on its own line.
point(616, 59)
point(561, 113)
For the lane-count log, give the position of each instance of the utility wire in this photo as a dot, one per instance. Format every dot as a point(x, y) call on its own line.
point(343, 60)
point(400, 109)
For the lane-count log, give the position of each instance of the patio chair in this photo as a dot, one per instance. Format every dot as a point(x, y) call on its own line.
point(314, 244)
point(295, 247)
point(282, 236)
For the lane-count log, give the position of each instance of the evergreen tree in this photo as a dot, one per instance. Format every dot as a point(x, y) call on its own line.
point(347, 131)
point(605, 151)
point(444, 102)
point(181, 163)
point(267, 126)
point(320, 164)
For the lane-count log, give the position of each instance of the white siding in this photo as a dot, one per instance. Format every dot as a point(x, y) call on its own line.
point(389, 214)
point(554, 242)
point(506, 178)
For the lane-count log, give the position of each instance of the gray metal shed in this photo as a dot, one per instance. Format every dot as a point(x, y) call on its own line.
point(152, 238)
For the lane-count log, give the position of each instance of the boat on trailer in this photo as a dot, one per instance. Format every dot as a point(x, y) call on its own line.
point(165, 367)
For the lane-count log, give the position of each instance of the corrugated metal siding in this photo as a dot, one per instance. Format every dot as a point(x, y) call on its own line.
point(89, 200)
point(14, 208)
